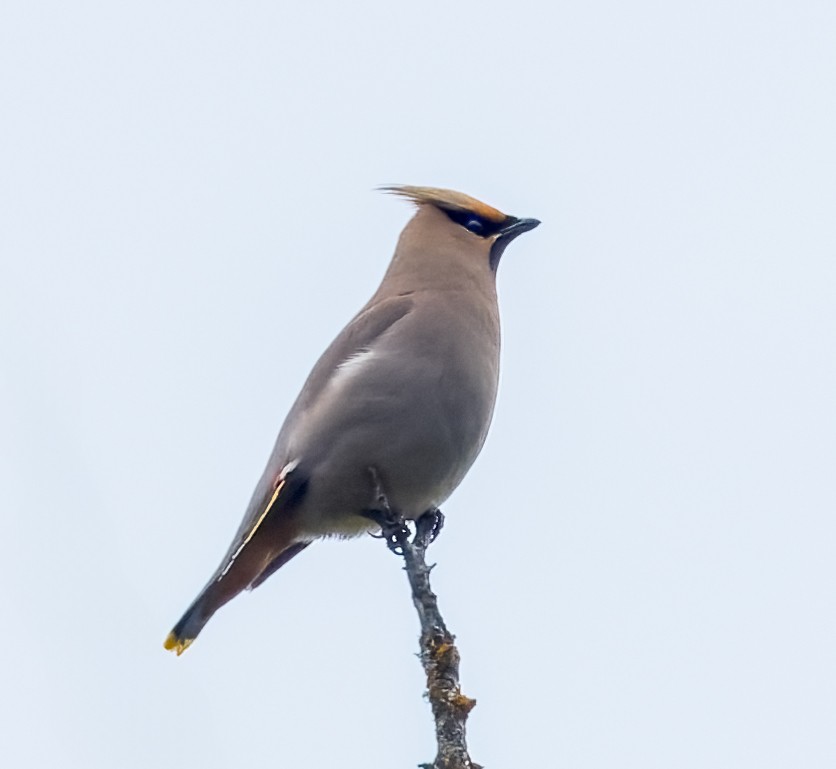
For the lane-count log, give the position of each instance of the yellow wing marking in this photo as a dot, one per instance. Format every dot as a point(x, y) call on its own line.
point(254, 529)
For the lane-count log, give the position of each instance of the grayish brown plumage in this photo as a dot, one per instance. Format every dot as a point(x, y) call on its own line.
point(405, 393)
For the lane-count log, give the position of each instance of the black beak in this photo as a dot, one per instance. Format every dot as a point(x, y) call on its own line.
point(518, 227)
point(507, 234)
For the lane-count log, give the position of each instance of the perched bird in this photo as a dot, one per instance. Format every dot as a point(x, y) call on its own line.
point(400, 402)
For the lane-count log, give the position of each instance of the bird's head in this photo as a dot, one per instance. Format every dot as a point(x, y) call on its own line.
point(475, 223)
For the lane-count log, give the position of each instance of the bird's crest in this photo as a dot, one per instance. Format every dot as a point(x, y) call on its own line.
point(449, 200)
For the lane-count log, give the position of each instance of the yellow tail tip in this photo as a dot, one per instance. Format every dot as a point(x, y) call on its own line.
point(176, 644)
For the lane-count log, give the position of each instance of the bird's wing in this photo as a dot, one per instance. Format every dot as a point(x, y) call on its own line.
point(358, 336)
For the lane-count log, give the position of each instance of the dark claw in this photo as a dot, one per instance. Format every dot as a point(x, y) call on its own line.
point(438, 524)
point(392, 528)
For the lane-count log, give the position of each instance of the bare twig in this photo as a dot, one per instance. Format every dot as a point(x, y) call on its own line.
point(439, 654)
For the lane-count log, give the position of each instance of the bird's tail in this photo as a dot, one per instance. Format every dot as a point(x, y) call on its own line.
point(267, 539)
point(215, 595)
point(196, 616)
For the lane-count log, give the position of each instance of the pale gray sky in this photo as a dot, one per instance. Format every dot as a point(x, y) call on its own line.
point(641, 566)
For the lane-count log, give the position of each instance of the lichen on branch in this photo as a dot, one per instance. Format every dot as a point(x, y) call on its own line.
point(439, 654)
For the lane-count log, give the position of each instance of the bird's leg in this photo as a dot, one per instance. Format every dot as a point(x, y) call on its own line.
point(393, 528)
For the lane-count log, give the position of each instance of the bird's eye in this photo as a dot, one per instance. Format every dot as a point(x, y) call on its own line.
point(474, 223)
point(475, 226)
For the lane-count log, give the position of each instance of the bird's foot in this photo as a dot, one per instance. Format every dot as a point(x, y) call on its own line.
point(393, 528)
point(429, 526)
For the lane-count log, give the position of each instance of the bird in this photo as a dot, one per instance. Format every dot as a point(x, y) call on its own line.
point(398, 405)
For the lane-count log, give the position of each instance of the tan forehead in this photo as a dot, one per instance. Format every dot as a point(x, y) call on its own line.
point(449, 199)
